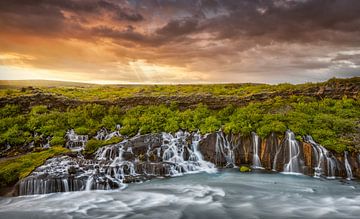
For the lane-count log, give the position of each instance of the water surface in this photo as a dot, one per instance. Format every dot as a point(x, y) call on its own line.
point(226, 194)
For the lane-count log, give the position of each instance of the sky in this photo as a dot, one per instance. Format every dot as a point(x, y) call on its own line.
point(173, 41)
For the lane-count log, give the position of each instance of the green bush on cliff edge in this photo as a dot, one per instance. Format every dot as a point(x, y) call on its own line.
point(17, 168)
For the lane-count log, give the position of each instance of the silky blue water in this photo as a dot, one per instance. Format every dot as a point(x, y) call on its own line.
point(225, 194)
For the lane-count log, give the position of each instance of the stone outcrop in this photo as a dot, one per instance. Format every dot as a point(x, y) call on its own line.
point(153, 155)
point(274, 154)
point(331, 89)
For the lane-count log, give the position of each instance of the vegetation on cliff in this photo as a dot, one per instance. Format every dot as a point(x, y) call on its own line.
point(14, 169)
point(331, 122)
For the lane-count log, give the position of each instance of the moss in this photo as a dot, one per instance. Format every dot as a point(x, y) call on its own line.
point(244, 169)
point(15, 169)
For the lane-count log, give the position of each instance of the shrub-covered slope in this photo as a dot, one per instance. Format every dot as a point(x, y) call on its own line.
point(333, 122)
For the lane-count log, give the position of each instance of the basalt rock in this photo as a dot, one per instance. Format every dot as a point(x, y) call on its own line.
point(133, 160)
point(330, 89)
point(164, 155)
point(278, 153)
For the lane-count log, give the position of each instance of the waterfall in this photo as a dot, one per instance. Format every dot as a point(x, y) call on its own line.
point(278, 150)
point(75, 142)
point(325, 161)
point(66, 185)
point(104, 134)
point(224, 148)
point(174, 147)
point(204, 165)
point(256, 150)
point(110, 169)
point(348, 167)
point(294, 166)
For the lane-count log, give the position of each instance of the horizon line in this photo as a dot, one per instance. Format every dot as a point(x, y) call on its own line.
point(95, 82)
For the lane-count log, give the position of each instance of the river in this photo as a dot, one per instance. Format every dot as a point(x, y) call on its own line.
point(225, 194)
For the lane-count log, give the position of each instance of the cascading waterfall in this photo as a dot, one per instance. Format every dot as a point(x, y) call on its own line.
point(325, 161)
point(294, 166)
point(256, 150)
point(348, 167)
point(53, 176)
point(174, 147)
point(195, 155)
point(146, 156)
point(224, 148)
point(277, 152)
point(177, 154)
point(104, 134)
point(75, 142)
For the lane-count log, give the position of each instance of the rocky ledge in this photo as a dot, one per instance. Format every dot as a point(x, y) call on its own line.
point(165, 155)
point(331, 89)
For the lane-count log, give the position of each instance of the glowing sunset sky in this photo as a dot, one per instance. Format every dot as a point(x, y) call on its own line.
point(159, 41)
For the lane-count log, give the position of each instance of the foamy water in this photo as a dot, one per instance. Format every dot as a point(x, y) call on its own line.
point(226, 194)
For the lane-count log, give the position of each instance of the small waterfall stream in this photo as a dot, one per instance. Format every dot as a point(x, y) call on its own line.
point(75, 142)
point(294, 166)
point(326, 163)
point(256, 151)
point(278, 148)
point(347, 167)
point(104, 134)
point(224, 148)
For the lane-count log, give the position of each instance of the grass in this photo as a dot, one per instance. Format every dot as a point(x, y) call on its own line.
point(90, 92)
point(15, 169)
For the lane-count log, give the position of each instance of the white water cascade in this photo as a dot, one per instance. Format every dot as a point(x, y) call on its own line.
point(294, 166)
point(326, 163)
point(116, 165)
point(256, 151)
point(278, 148)
point(104, 134)
point(224, 148)
point(174, 147)
point(75, 142)
point(348, 167)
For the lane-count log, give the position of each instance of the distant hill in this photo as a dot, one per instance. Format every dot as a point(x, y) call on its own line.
point(41, 83)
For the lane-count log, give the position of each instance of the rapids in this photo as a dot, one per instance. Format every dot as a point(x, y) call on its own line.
point(224, 194)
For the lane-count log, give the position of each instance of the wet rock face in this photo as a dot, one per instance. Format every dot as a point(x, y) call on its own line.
point(133, 160)
point(147, 156)
point(278, 153)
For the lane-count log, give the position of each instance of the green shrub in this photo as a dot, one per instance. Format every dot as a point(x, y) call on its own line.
point(57, 140)
point(93, 145)
point(9, 110)
point(82, 130)
point(15, 169)
point(329, 121)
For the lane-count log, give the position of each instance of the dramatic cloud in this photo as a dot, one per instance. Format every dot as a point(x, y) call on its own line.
point(180, 41)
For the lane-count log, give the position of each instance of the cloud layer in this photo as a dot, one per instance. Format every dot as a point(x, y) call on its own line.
point(180, 41)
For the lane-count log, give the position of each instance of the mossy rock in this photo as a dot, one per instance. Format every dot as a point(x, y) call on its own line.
point(245, 169)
